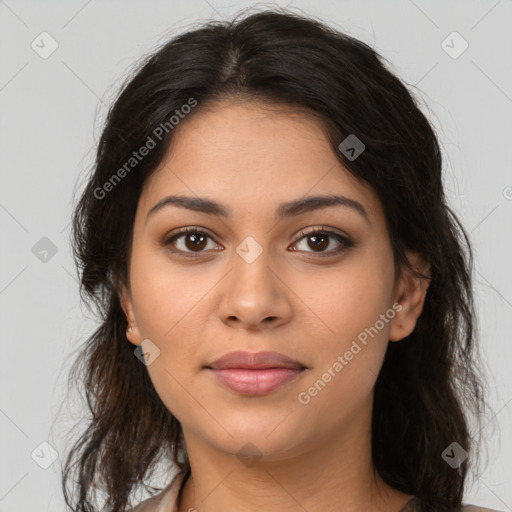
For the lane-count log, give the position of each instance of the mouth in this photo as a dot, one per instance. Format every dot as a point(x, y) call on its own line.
point(255, 374)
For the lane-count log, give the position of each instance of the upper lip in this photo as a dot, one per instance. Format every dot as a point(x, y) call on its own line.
point(254, 361)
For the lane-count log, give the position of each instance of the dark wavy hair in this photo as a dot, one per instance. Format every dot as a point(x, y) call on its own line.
point(429, 383)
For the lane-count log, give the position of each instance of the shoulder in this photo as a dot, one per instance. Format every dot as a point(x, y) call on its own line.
point(164, 501)
point(149, 505)
point(413, 505)
point(475, 508)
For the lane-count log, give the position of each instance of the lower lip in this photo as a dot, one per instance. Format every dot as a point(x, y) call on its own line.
point(255, 382)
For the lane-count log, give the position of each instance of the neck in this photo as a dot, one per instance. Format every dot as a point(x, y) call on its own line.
point(315, 478)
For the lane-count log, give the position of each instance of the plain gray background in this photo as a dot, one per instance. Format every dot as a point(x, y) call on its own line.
point(51, 114)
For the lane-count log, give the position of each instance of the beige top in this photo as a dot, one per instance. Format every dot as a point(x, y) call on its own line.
point(167, 500)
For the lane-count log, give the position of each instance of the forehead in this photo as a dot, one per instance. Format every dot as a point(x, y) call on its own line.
point(253, 155)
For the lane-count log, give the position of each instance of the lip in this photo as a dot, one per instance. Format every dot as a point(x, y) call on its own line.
point(254, 361)
point(255, 374)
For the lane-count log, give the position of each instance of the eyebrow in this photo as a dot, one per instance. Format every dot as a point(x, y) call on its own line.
point(285, 210)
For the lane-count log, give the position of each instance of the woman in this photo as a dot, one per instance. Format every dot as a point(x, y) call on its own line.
point(286, 298)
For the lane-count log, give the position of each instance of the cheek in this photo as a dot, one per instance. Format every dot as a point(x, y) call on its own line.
point(347, 368)
point(163, 296)
point(353, 304)
point(343, 302)
point(169, 312)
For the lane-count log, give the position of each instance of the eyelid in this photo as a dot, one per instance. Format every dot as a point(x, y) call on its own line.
point(311, 230)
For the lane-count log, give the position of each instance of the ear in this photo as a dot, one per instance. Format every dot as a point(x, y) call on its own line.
point(132, 331)
point(410, 294)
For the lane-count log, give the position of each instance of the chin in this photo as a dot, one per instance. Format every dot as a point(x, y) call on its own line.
point(270, 441)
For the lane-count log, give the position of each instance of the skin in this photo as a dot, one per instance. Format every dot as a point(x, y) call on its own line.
point(251, 158)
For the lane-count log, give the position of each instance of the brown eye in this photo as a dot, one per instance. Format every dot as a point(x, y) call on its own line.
point(320, 239)
point(195, 241)
point(188, 240)
point(320, 242)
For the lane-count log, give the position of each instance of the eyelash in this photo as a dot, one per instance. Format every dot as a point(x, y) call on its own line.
point(345, 242)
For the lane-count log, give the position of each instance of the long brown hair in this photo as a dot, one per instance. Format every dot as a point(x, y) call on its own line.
point(429, 382)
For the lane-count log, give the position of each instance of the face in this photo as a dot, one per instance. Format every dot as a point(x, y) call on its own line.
point(251, 275)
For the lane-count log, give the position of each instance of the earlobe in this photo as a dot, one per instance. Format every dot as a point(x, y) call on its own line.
point(411, 295)
point(132, 332)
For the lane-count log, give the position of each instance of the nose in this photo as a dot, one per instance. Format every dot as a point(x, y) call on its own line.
point(254, 296)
